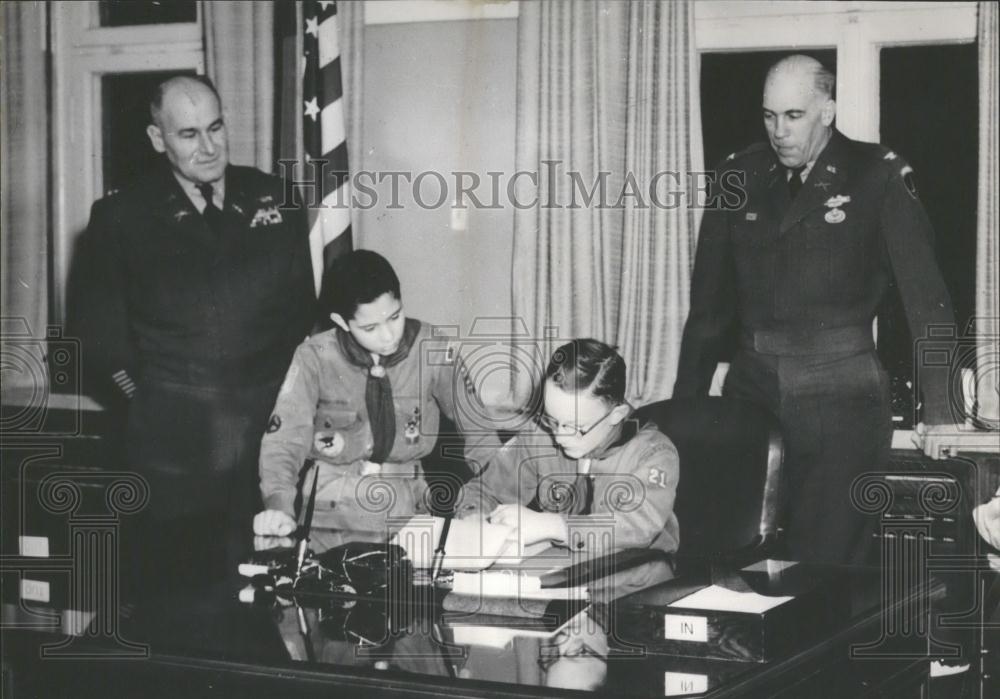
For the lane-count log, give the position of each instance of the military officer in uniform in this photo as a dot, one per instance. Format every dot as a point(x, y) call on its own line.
point(800, 265)
point(196, 289)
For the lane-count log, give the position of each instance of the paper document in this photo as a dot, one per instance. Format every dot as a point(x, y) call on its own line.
point(514, 584)
point(472, 544)
point(770, 566)
point(724, 600)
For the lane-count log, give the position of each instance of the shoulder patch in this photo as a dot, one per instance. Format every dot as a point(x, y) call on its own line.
point(907, 174)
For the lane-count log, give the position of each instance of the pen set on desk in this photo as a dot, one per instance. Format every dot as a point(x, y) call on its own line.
point(438, 561)
point(303, 532)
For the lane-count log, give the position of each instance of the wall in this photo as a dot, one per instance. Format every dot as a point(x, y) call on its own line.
point(441, 96)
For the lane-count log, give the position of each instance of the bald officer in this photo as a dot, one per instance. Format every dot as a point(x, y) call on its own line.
point(197, 289)
point(800, 265)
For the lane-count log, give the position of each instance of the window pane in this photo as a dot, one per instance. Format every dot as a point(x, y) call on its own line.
point(125, 13)
point(124, 117)
point(929, 115)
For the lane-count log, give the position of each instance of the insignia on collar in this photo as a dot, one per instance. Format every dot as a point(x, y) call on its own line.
point(831, 168)
point(266, 217)
point(730, 156)
point(839, 200)
point(889, 156)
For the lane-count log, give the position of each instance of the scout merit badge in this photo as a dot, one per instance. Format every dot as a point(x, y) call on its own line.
point(412, 431)
point(836, 214)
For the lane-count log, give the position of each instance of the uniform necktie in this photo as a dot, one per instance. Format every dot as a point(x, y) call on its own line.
point(213, 217)
point(795, 180)
point(378, 389)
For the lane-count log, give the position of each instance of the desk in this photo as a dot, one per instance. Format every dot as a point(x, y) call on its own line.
point(206, 643)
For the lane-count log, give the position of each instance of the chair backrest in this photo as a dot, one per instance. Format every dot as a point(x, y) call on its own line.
point(731, 453)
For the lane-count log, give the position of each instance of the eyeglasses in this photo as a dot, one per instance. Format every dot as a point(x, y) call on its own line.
point(556, 427)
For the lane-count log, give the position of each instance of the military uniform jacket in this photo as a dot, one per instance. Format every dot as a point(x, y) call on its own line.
point(161, 296)
point(321, 414)
point(634, 481)
point(819, 263)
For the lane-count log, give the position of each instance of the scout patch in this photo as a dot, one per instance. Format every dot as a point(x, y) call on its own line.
point(274, 424)
point(412, 431)
point(751, 216)
point(329, 444)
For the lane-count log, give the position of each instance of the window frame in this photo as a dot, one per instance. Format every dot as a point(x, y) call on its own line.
point(83, 52)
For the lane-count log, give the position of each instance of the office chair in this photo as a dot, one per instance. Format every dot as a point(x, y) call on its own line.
point(729, 495)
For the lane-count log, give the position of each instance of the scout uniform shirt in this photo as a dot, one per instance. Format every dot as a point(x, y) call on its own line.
point(321, 415)
point(629, 502)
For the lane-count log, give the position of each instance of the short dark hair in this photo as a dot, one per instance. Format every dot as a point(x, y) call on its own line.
point(589, 365)
point(358, 277)
point(156, 96)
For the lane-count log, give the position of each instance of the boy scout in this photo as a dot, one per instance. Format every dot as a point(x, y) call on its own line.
point(363, 401)
point(593, 480)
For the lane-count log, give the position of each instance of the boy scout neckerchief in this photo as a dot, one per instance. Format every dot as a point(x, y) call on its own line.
point(378, 390)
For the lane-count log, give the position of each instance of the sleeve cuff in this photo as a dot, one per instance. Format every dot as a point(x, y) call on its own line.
point(284, 502)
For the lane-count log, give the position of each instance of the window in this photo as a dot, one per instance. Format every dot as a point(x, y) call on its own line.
point(106, 57)
point(928, 112)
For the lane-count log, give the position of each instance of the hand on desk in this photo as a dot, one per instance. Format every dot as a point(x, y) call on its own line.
point(273, 523)
point(266, 543)
point(529, 526)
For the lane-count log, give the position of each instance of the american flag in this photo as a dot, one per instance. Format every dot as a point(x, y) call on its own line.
point(323, 135)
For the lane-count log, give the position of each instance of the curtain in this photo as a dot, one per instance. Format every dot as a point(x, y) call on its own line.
point(988, 216)
point(607, 94)
point(239, 58)
point(24, 218)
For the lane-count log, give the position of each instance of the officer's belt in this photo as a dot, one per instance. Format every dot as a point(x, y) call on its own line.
point(857, 338)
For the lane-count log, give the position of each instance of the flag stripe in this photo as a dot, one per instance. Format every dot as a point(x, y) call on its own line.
point(332, 126)
point(329, 45)
point(323, 133)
